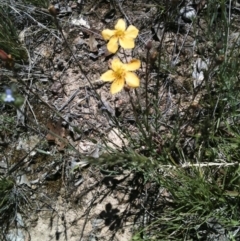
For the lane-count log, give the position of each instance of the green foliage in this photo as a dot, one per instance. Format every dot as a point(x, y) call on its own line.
point(6, 186)
point(9, 41)
point(38, 3)
point(6, 124)
point(207, 189)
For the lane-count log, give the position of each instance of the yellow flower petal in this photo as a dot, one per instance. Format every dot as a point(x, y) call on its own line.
point(108, 76)
point(107, 33)
point(131, 32)
point(116, 86)
point(112, 45)
point(127, 43)
point(116, 64)
point(121, 25)
point(132, 79)
point(134, 64)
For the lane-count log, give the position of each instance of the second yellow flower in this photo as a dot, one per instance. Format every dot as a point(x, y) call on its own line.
point(120, 73)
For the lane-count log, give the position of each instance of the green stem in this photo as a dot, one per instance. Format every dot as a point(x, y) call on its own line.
point(146, 90)
point(139, 123)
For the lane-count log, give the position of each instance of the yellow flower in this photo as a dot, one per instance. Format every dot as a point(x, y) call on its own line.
point(121, 35)
point(121, 73)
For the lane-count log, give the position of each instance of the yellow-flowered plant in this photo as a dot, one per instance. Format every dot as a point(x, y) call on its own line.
point(125, 37)
point(120, 74)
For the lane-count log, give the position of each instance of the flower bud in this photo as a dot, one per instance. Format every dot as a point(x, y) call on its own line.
point(153, 55)
point(53, 11)
point(219, 59)
point(127, 88)
point(3, 55)
point(7, 58)
point(148, 46)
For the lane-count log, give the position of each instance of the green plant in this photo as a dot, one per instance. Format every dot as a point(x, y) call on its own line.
point(9, 41)
point(41, 3)
point(183, 132)
point(6, 186)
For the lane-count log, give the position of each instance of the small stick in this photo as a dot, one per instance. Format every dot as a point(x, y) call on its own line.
point(69, 100)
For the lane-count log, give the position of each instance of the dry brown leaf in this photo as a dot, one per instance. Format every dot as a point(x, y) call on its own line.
point(92, 43)
point(57, 134)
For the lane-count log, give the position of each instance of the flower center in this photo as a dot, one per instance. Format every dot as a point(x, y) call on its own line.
point(120, 74)
point(119, 33)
